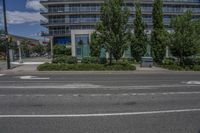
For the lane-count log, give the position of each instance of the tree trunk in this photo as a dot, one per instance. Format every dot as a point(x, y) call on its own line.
point(110, 58)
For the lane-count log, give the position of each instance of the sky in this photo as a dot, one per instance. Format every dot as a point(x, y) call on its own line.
point(23, 18)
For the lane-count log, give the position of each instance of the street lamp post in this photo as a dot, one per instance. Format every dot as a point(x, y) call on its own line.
point(6, 34)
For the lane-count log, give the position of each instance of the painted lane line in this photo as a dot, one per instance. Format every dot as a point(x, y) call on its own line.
point(88, 86)
point(94, 95)
point(18, 95)
point(125, 94)
point(165, 93)
point(193, 82)
point(34, 77)
point(39, 95)
point(105, 95)
point(76, 95)
point(101, 114)
point(2, 75)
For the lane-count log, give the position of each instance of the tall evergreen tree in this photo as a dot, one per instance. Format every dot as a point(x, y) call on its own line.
point(95, 45)
point(159, 35)
point(139, 42)
point(113, 27)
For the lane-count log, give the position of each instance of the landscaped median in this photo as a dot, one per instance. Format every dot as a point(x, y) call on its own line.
point(86, 67)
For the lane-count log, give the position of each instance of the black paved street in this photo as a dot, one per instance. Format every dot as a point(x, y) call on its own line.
point(122, 102)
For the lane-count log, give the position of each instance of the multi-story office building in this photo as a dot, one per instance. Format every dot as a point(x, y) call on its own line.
point(70, 21)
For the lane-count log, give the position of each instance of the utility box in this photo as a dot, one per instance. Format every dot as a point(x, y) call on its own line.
point(146, 62)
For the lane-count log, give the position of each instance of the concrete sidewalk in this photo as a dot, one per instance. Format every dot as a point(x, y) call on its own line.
point(25, 68)
point(28, 64)
point(138, 68)
point(3, 65)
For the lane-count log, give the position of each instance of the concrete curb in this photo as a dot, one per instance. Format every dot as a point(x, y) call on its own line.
point(21, 72)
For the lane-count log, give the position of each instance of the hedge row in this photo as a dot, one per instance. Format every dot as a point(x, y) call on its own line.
point(65, 59)
point(181, 68)
point(85, 67)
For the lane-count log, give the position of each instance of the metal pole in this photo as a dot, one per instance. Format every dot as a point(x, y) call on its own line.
point(6, 34)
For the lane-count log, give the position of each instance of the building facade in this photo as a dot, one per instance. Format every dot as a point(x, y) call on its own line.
point(70, 22)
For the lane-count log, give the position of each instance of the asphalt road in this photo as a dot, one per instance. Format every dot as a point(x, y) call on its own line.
point(166, 102)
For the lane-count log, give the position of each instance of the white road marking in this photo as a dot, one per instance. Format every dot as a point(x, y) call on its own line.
point(101, 114)
point(90, 86)
point(76, 95)
point(2, 75)
point(125, 94)
point(193, 82)
point(76, 85)
point(94, 95)
point(18, 95)
point(105, 95)
point(33, 77)
point(39, 95)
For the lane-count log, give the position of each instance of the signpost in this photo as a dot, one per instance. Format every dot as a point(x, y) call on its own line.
point(6, 35)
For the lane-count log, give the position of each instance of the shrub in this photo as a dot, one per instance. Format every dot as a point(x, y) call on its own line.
point(90, 60)
point(64, 59)
point(72, 60)
point(192, 61)
point(196, 68)
point(102, 60)
point(59, 59)
point(130, 60)
point(168, 61)
point(83, 67)
point(68, 51)
point(121, 67)
point(61, 50)
point(173, 67)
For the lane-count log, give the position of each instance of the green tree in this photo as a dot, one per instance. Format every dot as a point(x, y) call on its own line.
point(159, 36)
point(139, 41)
point(26, 48)
point(39, 49)
point(113, 27)
point(95, 45)
point(48, 48)
point(185, 38)
point(2, 47)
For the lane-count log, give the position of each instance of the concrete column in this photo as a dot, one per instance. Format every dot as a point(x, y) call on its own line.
point(52, 48)
point(20, 53)
point(167, 52)
point(73, 44)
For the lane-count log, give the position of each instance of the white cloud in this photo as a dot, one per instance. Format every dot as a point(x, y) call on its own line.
point(34, 4)
point(17, 17)
point(1, 16)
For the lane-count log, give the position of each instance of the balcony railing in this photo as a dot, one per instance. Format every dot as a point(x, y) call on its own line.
point(56, 33)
